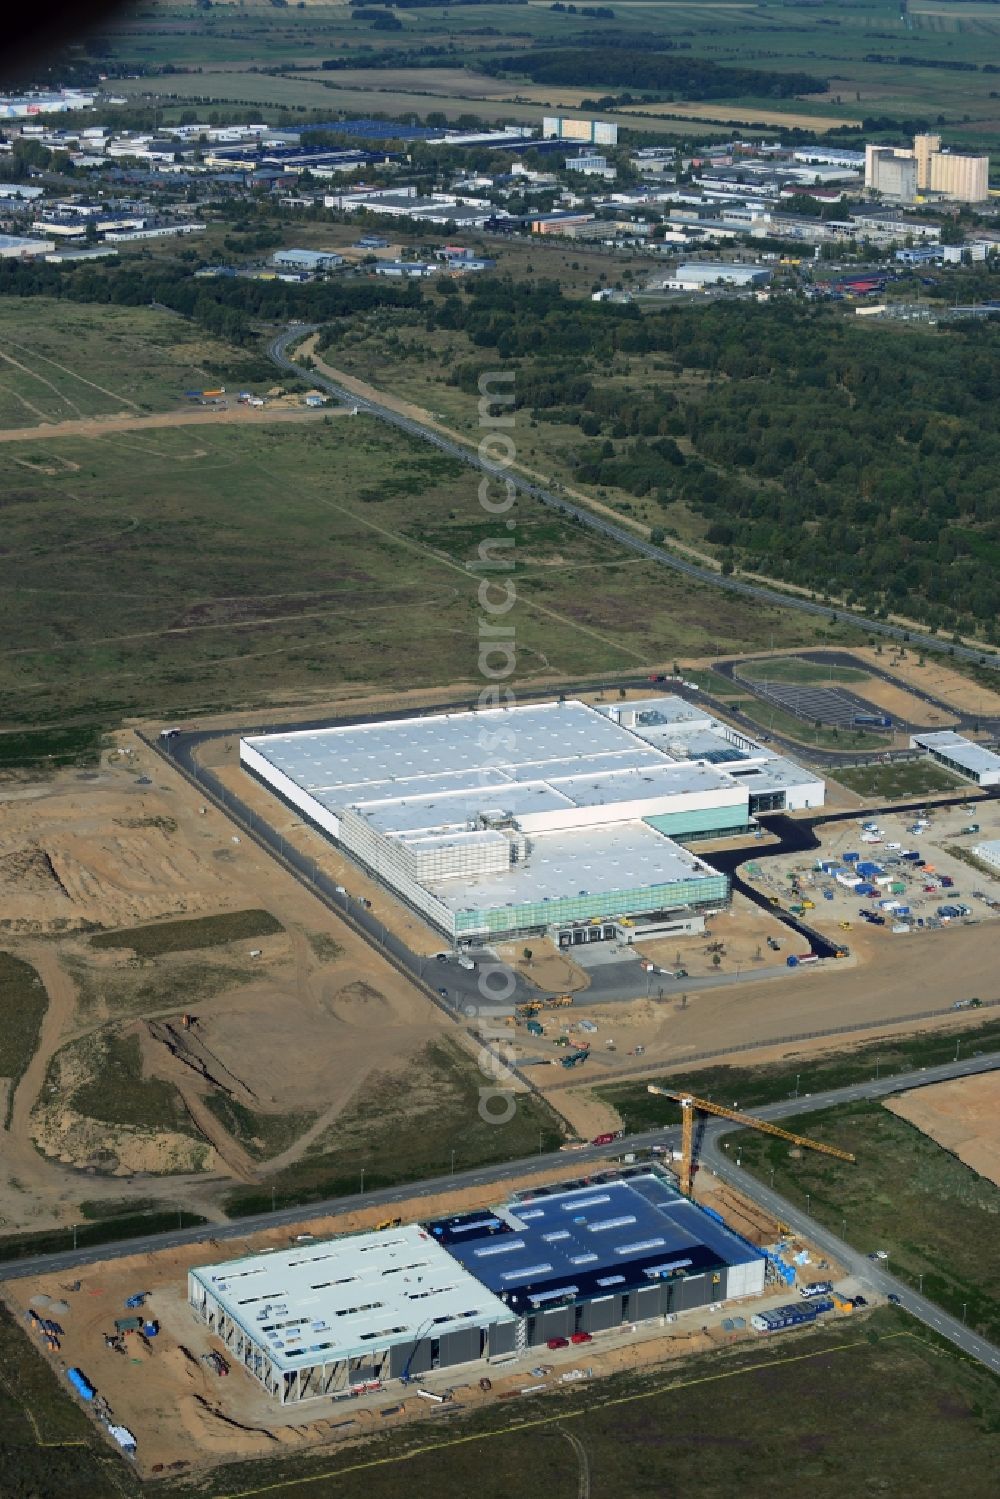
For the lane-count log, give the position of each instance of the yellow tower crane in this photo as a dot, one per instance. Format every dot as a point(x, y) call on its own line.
point(690, 1105)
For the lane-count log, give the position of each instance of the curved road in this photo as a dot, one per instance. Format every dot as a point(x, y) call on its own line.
point(869, 1273)
point(278, 352)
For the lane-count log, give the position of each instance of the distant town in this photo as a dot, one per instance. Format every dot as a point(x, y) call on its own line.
point(710, 220)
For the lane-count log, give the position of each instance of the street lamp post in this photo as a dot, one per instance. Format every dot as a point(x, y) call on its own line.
point(362, 1181)
point(965, 1308)
point(920, 1285)
point(958, 1047)
point(808, 1200)
point(453, 1160)
point(877, 1060)
point(797, 1076)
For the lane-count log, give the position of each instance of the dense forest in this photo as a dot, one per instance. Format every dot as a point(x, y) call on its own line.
point(683, 77)
point(853, 460)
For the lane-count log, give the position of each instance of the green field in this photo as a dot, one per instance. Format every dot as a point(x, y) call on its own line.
point(795, 669)
point(899, 781)
point(116, 1092)
point(277, 564)
point(189, 936)
point(65, 361)
point(23, 1002)
point(906, 1194)
point(832, 1412)
point(879, 65)
point(407, 1127)
point(754, 1086)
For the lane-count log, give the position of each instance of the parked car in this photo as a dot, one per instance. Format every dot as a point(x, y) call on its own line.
point(581, 1337)
point(894, 1299)
point(557, 1343)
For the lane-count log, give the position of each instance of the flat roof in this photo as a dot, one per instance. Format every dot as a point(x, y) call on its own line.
point(774, 774)
point(415, 773)
point(964, 752)
point(343, 1298)
point(585, 861)
point(599, 1238)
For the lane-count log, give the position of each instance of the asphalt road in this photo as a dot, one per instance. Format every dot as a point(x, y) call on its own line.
point(278, 352)
point(869, 1273)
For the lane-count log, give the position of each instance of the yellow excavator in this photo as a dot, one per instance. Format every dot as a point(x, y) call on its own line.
point(691, 1105)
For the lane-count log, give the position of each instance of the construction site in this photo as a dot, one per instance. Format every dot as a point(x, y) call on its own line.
point(348, 1325)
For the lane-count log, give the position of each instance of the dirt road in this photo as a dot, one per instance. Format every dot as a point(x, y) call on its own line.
point(198, 416)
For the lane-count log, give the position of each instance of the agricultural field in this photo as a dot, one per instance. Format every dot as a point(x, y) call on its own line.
point(923, 64)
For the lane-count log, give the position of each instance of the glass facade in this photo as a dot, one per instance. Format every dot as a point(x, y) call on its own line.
point(536, 915)
point(709, 822)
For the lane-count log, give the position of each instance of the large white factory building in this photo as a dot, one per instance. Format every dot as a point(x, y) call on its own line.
point(537, 817)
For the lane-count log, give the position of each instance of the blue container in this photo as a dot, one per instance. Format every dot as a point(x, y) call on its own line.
point(81, 1384)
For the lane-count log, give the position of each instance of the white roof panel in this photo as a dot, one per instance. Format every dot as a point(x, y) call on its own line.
point(339, 1298)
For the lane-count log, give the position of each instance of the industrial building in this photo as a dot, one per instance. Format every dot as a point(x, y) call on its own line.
point(306, 260)
point(900, 173)
point(587, 132)
point(329, 1317)
point(963, 756)
point(988, 852)
point(697, 275)
point(891, 173)
point(533, 818)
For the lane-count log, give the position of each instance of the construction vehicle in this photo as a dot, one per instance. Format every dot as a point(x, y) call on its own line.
point(535, 1029)
point(574, 1058)
point(559, 1001)
point(689, 1105)
point(388, 1223)
point(532, 1007)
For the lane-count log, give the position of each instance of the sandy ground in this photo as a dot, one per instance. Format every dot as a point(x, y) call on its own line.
point(181, 1411)
point(939, 680)
point(902, 705)
point(963, 1116)
point(197, 416)
point(79, 849)
point(926, 973)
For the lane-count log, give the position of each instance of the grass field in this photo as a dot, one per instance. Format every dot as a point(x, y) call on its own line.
point(897, 782)
point(405, 1129)
point(832, 1412)
point(814, 1073)
point(794, 669)
point(878, 62)
point(189, 936)
point(116, 1093)
point(60, 361)
point(262, 1135)
point(23, 1002)
point(906, 1194)
point(240, 573)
